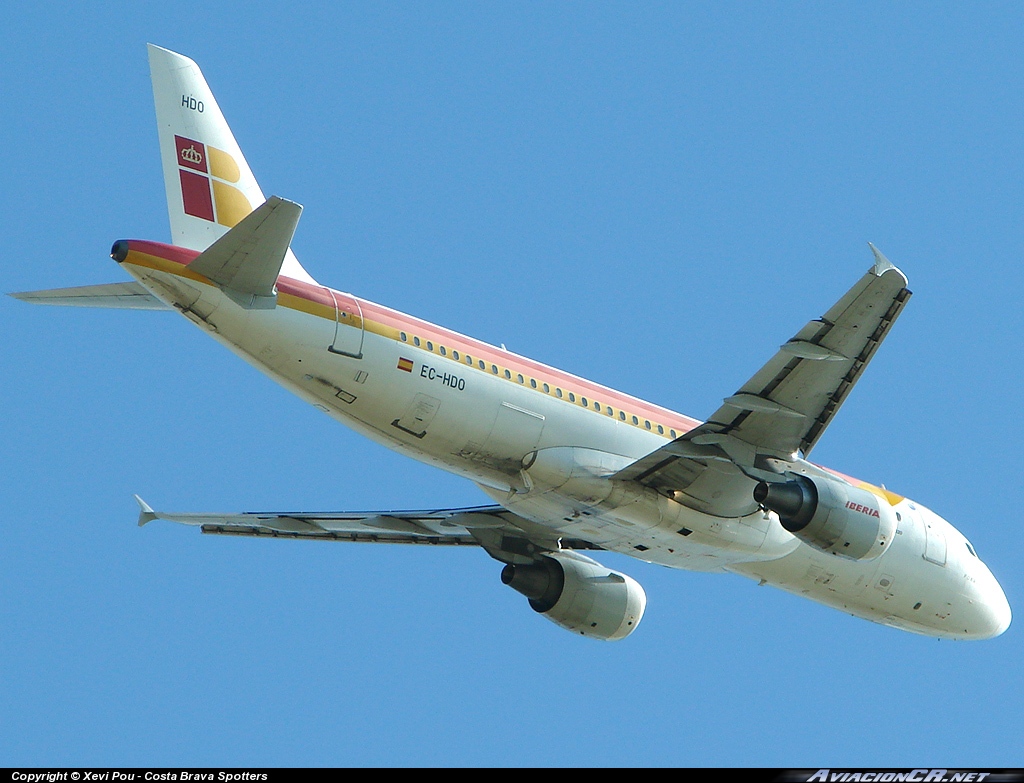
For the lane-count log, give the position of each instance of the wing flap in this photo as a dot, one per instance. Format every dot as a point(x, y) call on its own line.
point(351, 537)
point(448, 523)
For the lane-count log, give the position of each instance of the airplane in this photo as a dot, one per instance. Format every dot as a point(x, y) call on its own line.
point(570, 466)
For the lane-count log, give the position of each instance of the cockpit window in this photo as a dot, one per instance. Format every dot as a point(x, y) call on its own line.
point(970, 548)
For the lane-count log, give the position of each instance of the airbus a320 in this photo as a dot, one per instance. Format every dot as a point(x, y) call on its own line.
point(571, 467)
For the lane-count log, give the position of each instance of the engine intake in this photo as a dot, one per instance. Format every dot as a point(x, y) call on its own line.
point(580, 594)
point(831, 515)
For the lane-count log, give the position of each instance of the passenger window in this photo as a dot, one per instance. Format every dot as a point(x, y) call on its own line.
point(661, 430)
point(455, 355)
point(558, 392)
point(647, 424)
point(672, 433)
point(416, 341)
point(430, 346)
point(494, 369)
point(443, 351)
point(636, 420)
point(547, 389)
point(572, 397)
point(622, 415)
point(405, 337)
point(533, 383)
point(520, 378)
point(583, 401)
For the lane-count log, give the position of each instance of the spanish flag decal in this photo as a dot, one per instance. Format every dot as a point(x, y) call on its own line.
point(405, 364)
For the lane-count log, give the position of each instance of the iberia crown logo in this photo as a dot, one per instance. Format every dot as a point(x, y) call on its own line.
point(205, 192)
point(192, 155)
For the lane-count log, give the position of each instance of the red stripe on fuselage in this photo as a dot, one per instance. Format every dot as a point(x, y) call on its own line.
point(179, 255)
point(425, 330)
point(543, 373)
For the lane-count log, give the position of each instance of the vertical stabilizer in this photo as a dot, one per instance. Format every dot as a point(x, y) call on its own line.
point(210, 187)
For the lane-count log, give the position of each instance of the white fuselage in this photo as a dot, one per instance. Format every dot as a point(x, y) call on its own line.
point(544, 444)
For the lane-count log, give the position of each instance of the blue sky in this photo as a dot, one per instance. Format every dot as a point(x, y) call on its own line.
point(654, 199)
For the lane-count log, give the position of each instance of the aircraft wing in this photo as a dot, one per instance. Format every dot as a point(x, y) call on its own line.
point(494, 528)
point(786, 406)
point(128, 296)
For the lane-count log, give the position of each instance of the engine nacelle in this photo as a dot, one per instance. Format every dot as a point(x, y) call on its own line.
point(580, 595)
point(831, 515)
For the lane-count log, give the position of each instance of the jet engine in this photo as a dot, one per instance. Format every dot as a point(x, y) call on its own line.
point(831, 515)
point(580, 595)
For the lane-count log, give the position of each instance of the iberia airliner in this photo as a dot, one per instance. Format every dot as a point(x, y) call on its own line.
point(570, 466)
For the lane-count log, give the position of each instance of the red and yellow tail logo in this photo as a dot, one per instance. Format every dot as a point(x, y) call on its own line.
point(205, 173)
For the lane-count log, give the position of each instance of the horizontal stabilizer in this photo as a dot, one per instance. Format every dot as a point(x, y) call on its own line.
point(246, 261)
point(125, 296)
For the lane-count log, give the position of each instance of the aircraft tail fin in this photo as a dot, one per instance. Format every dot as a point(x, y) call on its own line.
point(210, 187)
